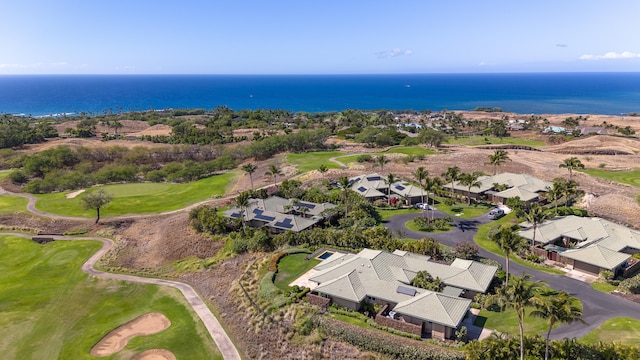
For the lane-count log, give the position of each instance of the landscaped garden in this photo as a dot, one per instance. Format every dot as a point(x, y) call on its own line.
point(140, 198)
point(52, 310)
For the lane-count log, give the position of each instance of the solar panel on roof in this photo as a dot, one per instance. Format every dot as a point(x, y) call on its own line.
point(373, 178)
point(307, 205)
point(406, 291)
point(236, 214)
point(362, 189)
point(399, 187)
point(286, 223)
point(260, 216)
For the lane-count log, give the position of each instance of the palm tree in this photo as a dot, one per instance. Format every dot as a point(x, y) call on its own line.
point(517, 296)
point(274, 171)
point(571, 164)
point(431, 184)
point(323, 169)
point(497, 159)
point(535, 215)
point(249, 169)
point(556, 191)
point(242, 201)
point(509, 242)
point(390, 180)
point(380, 161)
point(570, 188)
point(470, 180)
point(420, 174)
point(452, 175)
point(556, 308)
point(344, 184)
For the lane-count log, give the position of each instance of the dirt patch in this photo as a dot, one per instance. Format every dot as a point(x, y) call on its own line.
point(155, 130)
point(155, 354)
point(118, 338)
point(74, 194)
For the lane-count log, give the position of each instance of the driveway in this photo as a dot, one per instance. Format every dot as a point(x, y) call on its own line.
point(597, 306)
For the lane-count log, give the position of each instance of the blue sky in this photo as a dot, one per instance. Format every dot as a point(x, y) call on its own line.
point(317, 37)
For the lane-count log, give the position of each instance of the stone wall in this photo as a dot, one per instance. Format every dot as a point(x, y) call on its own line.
point(317, 300)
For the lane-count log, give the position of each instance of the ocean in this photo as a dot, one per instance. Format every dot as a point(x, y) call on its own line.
point(536, 93)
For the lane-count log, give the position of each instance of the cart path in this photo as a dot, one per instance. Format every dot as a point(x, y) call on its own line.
point(219, 336)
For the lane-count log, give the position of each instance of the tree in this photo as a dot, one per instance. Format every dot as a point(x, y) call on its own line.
point(517, 296)
point(323, 169)
point(344, 184)
point(556, 191)
point(249, 169)
point(509, 242)
point(535, 215)
point(497, 159)
point(571, 164)
point(556, 308)
point(432, 184)
point(96, 200)
point(274, 171)
point(390, 180)
point(421, 174)
point(380, 161)
point(470, 180)
point(242, 201)
point(452, 175)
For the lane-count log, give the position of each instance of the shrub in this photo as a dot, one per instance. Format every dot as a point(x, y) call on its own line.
point(630, 285)
point(363, 158)
point(607, 275)
point(466, 250)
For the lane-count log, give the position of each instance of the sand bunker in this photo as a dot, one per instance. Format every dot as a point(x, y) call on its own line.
point(155, 354)
point(118, 338)
point(74, 194)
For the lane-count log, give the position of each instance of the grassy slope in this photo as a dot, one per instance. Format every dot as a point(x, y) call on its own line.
point(140, 198)
point(51, 309)
point(492, 140)
point(12, 204)
point(407, 150)
point(312, 160)
point(625, 177)
point(291, 267)
point(622, 330)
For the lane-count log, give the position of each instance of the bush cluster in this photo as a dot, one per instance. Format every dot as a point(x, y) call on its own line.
point(630, 285)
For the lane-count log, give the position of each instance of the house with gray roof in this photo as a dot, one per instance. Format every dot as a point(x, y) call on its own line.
point(280, 214)
point(588, 244)
point(374, 187)
point(500, 187)
point(379, 277)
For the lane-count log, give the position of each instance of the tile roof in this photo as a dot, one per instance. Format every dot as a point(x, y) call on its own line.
point(441, 308)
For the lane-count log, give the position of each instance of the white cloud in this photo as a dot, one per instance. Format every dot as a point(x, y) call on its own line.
point(394, 53)
point(611, 55)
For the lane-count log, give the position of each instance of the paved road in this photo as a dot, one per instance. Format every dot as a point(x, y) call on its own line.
point(597, 306)
point(227, 349)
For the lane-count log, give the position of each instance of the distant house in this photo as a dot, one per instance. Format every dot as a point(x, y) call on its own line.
point(587, 244)
point(374, 187)
point(587, 130)
point(554, 130)
point(383, 278)
point(526, 187)
point(280, 214)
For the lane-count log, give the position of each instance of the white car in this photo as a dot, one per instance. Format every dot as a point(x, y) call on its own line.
point(423, 206)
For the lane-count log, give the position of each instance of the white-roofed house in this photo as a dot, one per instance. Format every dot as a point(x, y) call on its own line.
point(526, 187)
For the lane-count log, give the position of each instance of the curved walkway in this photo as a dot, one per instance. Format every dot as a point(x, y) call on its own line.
point(223, 342)
point(597, 306)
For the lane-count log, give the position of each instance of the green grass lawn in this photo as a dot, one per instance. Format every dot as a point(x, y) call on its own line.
point(50, 309)
point(4, 174)
point(291, 267)
point(492, 140)
point(407, 150)
point(140, 198)
point(603, 286)
point(465, 211)
point(387, 213)
point(622, 330)
point(12, 204)
point(507, 322)
point(411, 225)
point(482, 240)
point(312, 160)
point(631, 177)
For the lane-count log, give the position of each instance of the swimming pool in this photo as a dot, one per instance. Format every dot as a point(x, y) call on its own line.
point(325, 255)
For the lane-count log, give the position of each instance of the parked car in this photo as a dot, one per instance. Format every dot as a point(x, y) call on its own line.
point(496, 214)
point(424, 206)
